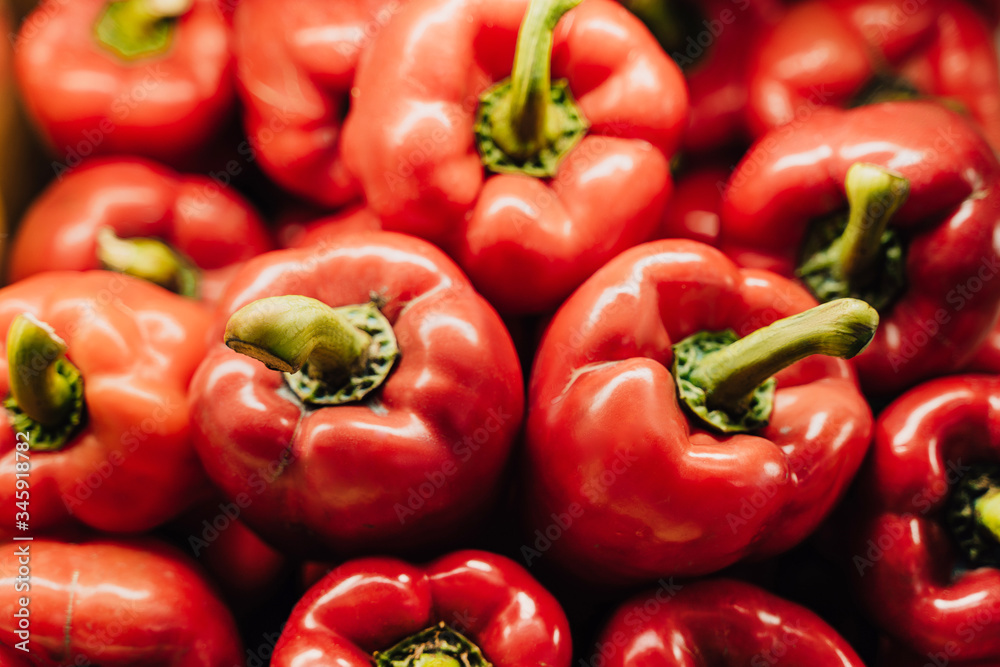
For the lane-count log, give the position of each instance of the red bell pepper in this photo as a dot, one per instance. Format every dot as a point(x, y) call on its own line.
point(113, 603)
point(917, 242)
point(95, 369)
point(296, 62)
point(395, 412)
point(140, 77)
point(845, 52)
point(296, 234)
point(208, 229)
point(627, 485)
point(467, 609)
point(693, 210)
point(519, 192)
point(718, 623)
point(710, 41)
point(923, 528)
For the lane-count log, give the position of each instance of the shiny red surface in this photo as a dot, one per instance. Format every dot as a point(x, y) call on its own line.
point(655, 496)
point(87, 101)
point(949, 222)
point(133, 466)
point(694, 208)
point(525, 242)
point(116, 603)
point(418, 460)
point(903, 558)
point(370, 604)
point(212, 225)
point(719, 623)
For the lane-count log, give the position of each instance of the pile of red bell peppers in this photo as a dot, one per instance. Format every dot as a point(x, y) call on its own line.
point(505, 333)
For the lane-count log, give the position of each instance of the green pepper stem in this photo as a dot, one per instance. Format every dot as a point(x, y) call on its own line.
point(33, 354)
point(288, 332)
point(874, 194)
point(136, 28)
point(148, 259)
point(840, 328)
point(522, 126)
point(437, 646)
point(988, 512)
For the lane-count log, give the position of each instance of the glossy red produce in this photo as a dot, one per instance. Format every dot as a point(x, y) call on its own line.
point(95, 371)
point(633, 484)
point(719, 623)
point(376, 604)
point(923, 536)
point(140, 77)
point(519, 195)
point(919, 240)
point(844, 52)
point(330, 470)
point(113, 603)
point(296, 63)
point(322, 230)
point(209, 229)
point(694, 208)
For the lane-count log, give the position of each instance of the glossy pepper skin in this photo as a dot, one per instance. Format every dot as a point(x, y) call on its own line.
point(826, 53)
point(719, 623)
point(296, 63)
point(369, 604)
point(526, 242)
point(908, 565)
point(694, 208)
point(211, 225)
point(417, 459)
point(319, 231)
point(166, 105)
point(948, 301)
point(611, 452)
point(131, 466)
point(115, 603)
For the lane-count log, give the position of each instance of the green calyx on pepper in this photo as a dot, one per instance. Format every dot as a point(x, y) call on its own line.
point(148, 259)
point(859, 257)
point(526, 123)
point(727, 382)
point(973, 514)
point(133, 29)
point(46, 389)
point(330, 356)
point(437, 646)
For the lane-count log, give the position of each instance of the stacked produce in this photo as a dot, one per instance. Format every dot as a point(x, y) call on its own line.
point(502, 333)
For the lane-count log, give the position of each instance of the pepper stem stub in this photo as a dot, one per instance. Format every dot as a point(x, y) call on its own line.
point(527, 123)
point(437, 646)
point(148, 259)
point(46, 389)
point(329, 355)
point(133, 29)
point(859, 257)
point(727, 382)
point(973, 514)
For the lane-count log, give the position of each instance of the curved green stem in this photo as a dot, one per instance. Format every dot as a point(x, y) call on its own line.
point(46, 389)
point(988, 512)
point(437, 646)
point(139, 28)
point(336, 354)
point(148, 259)
point(526, 123)
point(874, 195)
point(728, 382)
point(839, 328)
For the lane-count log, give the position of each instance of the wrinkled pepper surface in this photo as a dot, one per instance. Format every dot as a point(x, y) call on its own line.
point(466, 609)
point(114, 603)
point(896, 204)
point(631, 479)
point(186, 233)
point(504, 131)
point(389, 415)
